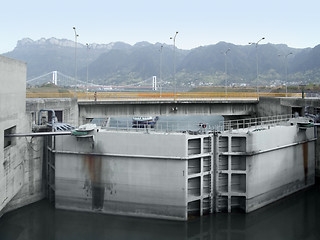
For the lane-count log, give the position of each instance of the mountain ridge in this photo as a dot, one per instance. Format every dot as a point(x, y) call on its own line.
point(122, 63)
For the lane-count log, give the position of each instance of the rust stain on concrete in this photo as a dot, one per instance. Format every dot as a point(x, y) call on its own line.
point(93, 165)
point(305, 161)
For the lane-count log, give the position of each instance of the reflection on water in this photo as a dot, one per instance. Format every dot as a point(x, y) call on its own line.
point(295, 217)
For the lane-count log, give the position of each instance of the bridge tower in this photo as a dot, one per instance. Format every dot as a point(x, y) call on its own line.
point(154, 83)
point(55, 77)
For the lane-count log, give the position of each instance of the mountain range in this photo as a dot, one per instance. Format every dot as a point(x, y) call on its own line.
point(121, 63)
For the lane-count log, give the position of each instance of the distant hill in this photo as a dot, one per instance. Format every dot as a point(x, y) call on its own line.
point(121, 63)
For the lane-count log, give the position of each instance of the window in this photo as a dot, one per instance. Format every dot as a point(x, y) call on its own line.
point(58, 113)
point(8, 141)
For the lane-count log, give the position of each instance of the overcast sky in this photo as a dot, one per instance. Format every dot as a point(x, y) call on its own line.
point(199, 23)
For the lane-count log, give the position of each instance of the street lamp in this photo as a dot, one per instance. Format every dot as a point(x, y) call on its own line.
point(286, 69)
point(75, 60)
point(257, 60)
point(225, 69)
point(174, 63)
point(87, 66)
point(160, 74)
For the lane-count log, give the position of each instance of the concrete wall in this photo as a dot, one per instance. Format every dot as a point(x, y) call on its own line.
point(257, 166)
point(318, 154)
point(125, 108)
point(278, 106)
point(134, 173)
point(68, 106)
point(132, 176)
point(20, 161)
point(277, 173)
point(268, 106)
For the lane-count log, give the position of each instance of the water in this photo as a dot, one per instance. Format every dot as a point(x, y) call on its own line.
point(295, 217)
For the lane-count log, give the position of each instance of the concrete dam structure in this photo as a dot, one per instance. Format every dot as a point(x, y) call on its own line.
point(175, 175)
point(147, 172)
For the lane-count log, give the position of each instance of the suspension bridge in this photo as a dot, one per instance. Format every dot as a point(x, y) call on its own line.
point(147, 89)
point(59, 79)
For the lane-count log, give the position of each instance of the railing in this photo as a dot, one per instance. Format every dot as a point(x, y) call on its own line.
point(191, 127)
point(195, 127)
point(140, 96)
point(253, 122)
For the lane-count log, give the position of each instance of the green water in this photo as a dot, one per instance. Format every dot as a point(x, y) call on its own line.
point(292, 218)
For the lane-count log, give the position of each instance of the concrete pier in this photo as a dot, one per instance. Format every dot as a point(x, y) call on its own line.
point(21, 161)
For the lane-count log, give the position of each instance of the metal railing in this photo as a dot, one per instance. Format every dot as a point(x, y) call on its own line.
point(190, 127)
point(254, 122)
point(139, 96)
point(193, 127)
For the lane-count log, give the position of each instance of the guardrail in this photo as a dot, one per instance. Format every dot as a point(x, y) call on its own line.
point(136, 96)
point(161, 126)
point(253, 122)
point(195, 127)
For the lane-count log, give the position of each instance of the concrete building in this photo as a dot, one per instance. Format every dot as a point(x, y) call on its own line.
point(66, 110)
point(20, 158)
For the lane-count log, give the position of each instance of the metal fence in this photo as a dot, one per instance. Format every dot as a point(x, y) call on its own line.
point(190, 127)
point(193, 127)
point(253, 122)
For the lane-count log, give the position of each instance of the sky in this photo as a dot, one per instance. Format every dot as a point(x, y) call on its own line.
point(199, 23)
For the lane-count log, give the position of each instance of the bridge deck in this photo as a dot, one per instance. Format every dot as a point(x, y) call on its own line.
point(162, 97)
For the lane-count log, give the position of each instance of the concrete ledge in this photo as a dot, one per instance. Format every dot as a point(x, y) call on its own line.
point(278, 193)
point(124, 208)
point(21, 203)
point(166, 101)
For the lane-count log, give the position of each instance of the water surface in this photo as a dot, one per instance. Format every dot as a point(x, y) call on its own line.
point(292, 218)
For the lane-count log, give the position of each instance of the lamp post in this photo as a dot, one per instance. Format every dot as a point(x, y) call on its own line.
point(286, 69)
point(225, 69)
point(75, 60)
point(302, 90)
point(174, 63)
point(87, 67)
point(257, 60)
point(160, 74)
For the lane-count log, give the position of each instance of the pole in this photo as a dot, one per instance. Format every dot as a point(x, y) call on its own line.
point(160, 74)
point(174, 63)
point(286, 70)
point(87, 66)
point(257, 61)
point(226, 71)
point(75, 60)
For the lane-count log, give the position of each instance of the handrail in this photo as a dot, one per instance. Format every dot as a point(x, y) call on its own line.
point(161, 126)
point(136, 96)
point(253, 122)
point(197, 128)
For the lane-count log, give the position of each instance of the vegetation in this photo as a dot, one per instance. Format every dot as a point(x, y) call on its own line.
point(279, 89)
point(47, 88)
point(123, 64)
